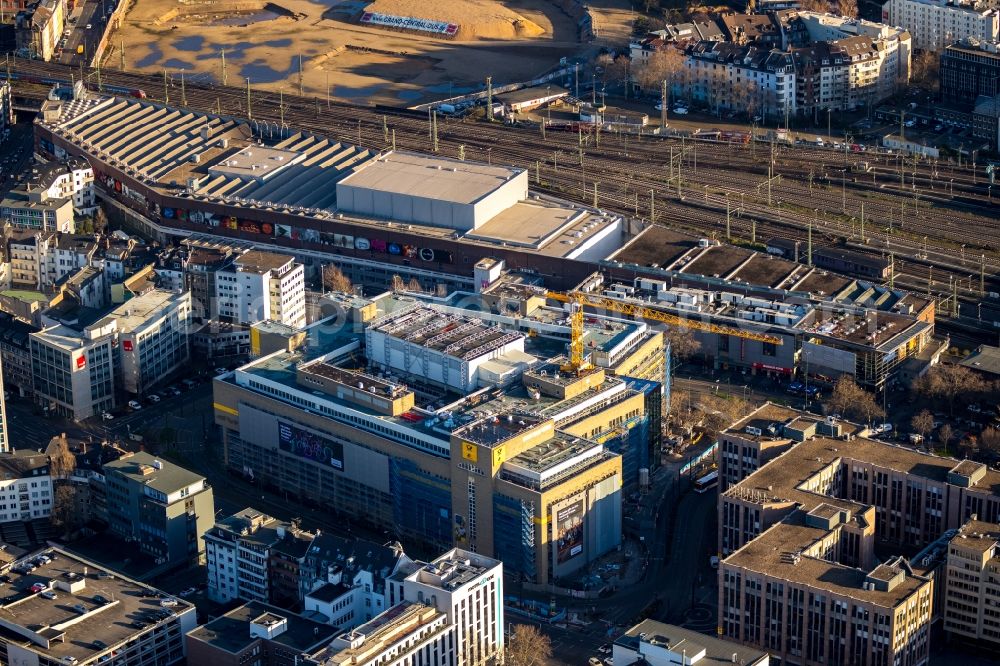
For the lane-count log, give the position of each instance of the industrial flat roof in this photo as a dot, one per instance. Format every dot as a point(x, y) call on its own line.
point(782, 476)
point(455, 335)
point(260, 261)
point(772, 554)
point(136, 312)
point(438, 178)
point(231, 632)
point(108, 620)
point(549, 227)
point(984, 359)
point(166, 478)
point(678, 639)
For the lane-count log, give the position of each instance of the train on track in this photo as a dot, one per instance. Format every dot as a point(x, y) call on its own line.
point(52, 81)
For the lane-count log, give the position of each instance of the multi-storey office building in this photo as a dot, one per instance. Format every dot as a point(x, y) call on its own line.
point(804, 502)
point(73, 372)
point(970, 69)
point(972, 580)
point(165, 508)
point(935, 24)
point(77, 371)
point(153, 332)
point(97, 616)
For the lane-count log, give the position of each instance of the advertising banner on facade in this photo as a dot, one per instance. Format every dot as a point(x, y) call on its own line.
point(569, 532)
point(311, 446)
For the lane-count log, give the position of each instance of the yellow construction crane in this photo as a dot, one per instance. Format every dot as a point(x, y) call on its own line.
point(581, 299)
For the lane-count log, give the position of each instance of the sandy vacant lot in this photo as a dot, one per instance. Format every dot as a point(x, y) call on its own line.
point(264, 41)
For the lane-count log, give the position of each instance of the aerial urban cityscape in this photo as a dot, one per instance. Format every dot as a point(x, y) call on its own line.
point(499, 332)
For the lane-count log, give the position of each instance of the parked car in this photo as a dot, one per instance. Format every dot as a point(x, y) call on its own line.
point(190, 383)
point(39, 587)
point(49, 594)
point(89, 26)
point(220, 370)
point(134, 404)
point(594, 661)
point(168, 602)
point(98, 645)
point(107, 416)
point(153, 398)
point(681, 110)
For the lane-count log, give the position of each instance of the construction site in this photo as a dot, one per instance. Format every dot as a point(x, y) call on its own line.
point(393, 52)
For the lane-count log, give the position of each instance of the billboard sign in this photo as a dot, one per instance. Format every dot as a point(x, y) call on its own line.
point(308, 445)
point(569, 532)
point(409, 23)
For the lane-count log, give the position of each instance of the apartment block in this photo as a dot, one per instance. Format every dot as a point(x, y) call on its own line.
point(345, 580)
point(237, 555)
point(972, 579)
point(262, 285)
point(38, 27)
point(805, 501)
point(26, 491)
point(935, 24)
point(15, 354)
point(448, 612)
point(165, 508)
point(95, 616)
point(408, 634)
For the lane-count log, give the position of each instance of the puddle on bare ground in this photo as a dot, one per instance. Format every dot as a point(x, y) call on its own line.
point(352, 93)
point(192, 43)
point(247, 19)
point(151, 58)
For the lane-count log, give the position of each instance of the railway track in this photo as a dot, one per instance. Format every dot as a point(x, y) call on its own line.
point(919, 212)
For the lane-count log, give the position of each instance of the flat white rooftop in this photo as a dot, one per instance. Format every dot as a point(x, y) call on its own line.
point(430, 177)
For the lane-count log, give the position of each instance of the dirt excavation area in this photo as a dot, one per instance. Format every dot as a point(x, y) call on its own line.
point(399, 52)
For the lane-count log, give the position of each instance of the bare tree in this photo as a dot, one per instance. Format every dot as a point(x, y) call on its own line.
point(414, 285)
point(926, 68)
point(852, 401)
point(64, 514)
point(664, 64)
point(335, 280)
point(62, 462)
point(944, 435)
point(720, 412)
point(682, 343)
point(397, 283)
point(100, 221)
point(922, 423)
point(527, 646)
point(989, 440)
point(947, 382)
point(848, 8)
